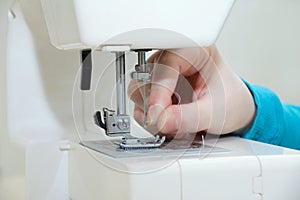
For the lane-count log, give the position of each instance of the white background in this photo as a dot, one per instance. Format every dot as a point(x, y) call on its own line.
point(261, 41)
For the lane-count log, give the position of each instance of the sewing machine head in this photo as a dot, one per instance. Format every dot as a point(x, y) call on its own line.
point(89, 24)
point(119, 26)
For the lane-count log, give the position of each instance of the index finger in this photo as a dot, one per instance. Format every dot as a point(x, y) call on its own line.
point(167, 68)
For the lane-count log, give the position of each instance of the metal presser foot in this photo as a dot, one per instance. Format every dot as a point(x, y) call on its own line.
point(117, 123)
point(136, 143)
point(114, 125)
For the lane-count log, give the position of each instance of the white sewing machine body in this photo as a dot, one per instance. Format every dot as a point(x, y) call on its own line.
point(230, 168)
point(234, 169)
point(227, 168)
point(160, 24)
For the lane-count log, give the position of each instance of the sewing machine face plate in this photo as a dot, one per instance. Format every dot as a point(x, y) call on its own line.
point(173, 148)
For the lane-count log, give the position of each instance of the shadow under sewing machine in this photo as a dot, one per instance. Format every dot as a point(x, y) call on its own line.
point(226, 168)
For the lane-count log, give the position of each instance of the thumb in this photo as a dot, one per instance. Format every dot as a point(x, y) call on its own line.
point(186, 118)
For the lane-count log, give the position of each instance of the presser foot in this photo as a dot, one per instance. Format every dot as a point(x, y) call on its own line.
point(115, 125)
point(141, 143)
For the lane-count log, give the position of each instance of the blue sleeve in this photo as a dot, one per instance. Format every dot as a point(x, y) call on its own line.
point(275, 123)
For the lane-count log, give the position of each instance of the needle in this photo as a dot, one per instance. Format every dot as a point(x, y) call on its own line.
point(145, 101)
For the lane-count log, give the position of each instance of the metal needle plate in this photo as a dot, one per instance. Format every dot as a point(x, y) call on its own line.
point(173, 148)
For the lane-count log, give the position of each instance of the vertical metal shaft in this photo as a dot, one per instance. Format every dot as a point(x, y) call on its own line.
point(120, 80)
point(143, 69)
point(142, 61)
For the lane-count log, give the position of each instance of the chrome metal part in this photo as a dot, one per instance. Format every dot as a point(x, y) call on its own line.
point(142, 74)
point(142, 71)
point(174, 148)
point(142, 61)
point(121, 85)
point(141, 143)
point(116, 125)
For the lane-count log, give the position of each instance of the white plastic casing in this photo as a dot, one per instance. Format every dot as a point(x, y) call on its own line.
point(138, 24)
point(248, 171)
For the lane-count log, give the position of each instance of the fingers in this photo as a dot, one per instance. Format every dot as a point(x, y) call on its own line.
point(138, 115)
point(164, 80)
point(190, 117)
point(219, 101)
point(186, 118)
point(135, 92)
point(169, 65)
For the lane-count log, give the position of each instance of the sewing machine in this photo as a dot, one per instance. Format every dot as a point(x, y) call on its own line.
point(105, 167)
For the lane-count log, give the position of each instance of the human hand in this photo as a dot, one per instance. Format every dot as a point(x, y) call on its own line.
point(213, 97)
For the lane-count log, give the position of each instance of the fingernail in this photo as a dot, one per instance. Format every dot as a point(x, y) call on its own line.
point(153, 113)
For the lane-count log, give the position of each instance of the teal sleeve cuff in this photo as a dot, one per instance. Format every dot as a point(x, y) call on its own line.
point(268, 124)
